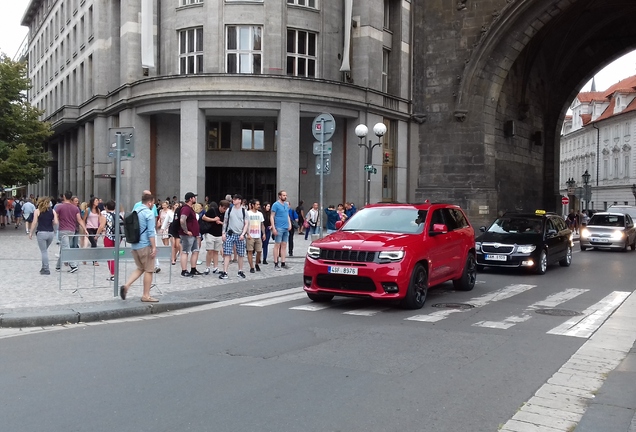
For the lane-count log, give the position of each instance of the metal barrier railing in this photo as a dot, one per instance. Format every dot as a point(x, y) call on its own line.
point(104, 254)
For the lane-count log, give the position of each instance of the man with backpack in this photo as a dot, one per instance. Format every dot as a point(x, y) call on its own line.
point(189, 234)
point(234, 229)
point(144, 250)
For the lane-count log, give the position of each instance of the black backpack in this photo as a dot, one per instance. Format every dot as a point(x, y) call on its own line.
point(173, 229)
point(131, 227)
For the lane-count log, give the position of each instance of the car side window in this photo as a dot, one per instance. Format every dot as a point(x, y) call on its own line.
point(628, 219)
point(550, 225)
point(459, 217)
point(436, 218)
point(449, 217)
point(559, 223)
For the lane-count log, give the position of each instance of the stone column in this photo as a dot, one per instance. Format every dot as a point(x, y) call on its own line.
point(192, 146)
point(81, 161)
point(137, 170)
point(287, 163)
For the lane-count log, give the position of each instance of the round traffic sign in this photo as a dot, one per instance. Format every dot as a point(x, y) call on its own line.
point(565, 200)
point(329, 124)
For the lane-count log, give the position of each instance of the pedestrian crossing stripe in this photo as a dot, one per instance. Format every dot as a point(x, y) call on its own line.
point(276, 300)
point(593, 317)
point(549, 302)
point(500, 294)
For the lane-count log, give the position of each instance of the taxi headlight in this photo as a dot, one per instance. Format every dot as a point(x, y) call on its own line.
point(617, 235)
point(478, 246)
point(391, 256)
point(313, 252)
point(585, 233)
point(526, 249)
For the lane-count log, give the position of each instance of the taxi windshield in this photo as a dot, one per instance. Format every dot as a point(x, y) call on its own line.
point(392, 219)
point(517, 225)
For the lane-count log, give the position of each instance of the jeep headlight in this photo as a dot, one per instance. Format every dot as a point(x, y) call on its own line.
point(391, 256)
point(313, 252)
point(526, 249)
point(478, 246)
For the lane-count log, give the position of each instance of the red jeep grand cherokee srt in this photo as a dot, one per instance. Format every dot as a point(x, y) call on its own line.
point(393, 252)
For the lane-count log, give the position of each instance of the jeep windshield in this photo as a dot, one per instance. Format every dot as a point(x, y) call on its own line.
point(389, 219)
point(517, 225)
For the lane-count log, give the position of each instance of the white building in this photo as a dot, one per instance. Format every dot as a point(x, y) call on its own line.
point(597, 138)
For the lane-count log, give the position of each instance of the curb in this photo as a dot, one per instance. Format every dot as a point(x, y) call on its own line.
point(92, 314)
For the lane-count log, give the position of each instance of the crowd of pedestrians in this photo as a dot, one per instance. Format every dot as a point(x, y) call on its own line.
point(230, 230)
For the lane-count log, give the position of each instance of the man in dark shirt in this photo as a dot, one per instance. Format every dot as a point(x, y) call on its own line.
point(189, 232)
point(213, 239)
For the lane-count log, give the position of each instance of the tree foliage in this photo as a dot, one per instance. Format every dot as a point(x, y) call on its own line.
point(22, 134)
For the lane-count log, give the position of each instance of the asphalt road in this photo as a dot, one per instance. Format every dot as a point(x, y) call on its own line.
point(266, 367)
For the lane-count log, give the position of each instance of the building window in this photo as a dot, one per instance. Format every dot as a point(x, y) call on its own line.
point(385, 70)
point(387, 14)
point(626, 169)
point(191, 51)
point(301, 53)
point(244, 49)
point(252, 136)
point(605, 169)
point(219, 135)
point(308, 3)
point(615, 167)
point(189, 2)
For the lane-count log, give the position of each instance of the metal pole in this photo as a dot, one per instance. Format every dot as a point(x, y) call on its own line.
point(370, 163)
point(322, 170)
point(118, 150)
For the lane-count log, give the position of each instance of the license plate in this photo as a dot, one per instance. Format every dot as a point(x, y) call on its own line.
point(343, 270)
point(496, 257)
point(600, 240)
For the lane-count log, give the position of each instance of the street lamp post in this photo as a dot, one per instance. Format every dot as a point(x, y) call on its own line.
point(361, 132)
point(586, 181)
point(634, 192)
point(571, 185)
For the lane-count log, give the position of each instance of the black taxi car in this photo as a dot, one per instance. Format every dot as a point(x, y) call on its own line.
point(526, 240)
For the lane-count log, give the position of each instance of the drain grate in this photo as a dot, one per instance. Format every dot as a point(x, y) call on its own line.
point(558, 312)
point(453, 306)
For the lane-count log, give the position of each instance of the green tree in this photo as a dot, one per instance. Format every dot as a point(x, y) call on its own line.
point(22, 134)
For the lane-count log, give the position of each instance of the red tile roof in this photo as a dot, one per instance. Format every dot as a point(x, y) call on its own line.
point(587, 97)
point(625, 86)
point(586, 118)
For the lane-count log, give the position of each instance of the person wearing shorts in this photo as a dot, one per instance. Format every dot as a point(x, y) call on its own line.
point(144, 252)
point(281, 224)
point(189, 234)
point(234, 230)
point(214, 239)
point(255, 234)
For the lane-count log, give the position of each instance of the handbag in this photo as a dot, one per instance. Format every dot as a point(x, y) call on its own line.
point(294, 224)
point(306, 223)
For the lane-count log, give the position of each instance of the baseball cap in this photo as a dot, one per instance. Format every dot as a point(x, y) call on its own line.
point(189, 195)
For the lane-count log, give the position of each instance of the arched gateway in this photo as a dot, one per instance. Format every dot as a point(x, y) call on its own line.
point(493, 80)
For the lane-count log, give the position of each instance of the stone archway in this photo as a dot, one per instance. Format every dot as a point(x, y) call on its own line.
point(495, 106)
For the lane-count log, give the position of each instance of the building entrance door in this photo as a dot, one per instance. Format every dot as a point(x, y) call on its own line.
point(259, 183)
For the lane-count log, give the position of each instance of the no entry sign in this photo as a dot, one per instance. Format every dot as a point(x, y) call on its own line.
point(565, 200)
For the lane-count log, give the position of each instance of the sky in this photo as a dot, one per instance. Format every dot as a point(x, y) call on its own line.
point(12, 35)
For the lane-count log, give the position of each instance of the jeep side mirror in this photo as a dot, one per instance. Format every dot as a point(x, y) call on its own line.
point(482, 229)
point(439, 229)
point(339, 224)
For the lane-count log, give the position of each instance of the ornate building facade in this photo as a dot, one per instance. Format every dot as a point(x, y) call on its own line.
point(597, 139)
point(222, 95)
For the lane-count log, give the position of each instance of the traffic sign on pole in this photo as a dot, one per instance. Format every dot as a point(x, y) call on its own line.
point(322, 147)
point(565, 200)
point(329, 127)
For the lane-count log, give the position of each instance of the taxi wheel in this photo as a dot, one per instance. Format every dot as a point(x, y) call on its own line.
point(469, 275)
point(633, 245)
point(320, 297)
point(567, 260)
point(542, 265)
point(418, 288)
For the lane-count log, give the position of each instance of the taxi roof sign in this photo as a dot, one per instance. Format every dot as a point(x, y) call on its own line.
point(539, 212)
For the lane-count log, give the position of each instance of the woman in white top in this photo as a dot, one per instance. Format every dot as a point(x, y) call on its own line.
point(165, 219)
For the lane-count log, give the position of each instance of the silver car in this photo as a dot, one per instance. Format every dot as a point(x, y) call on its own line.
point(609, 231)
